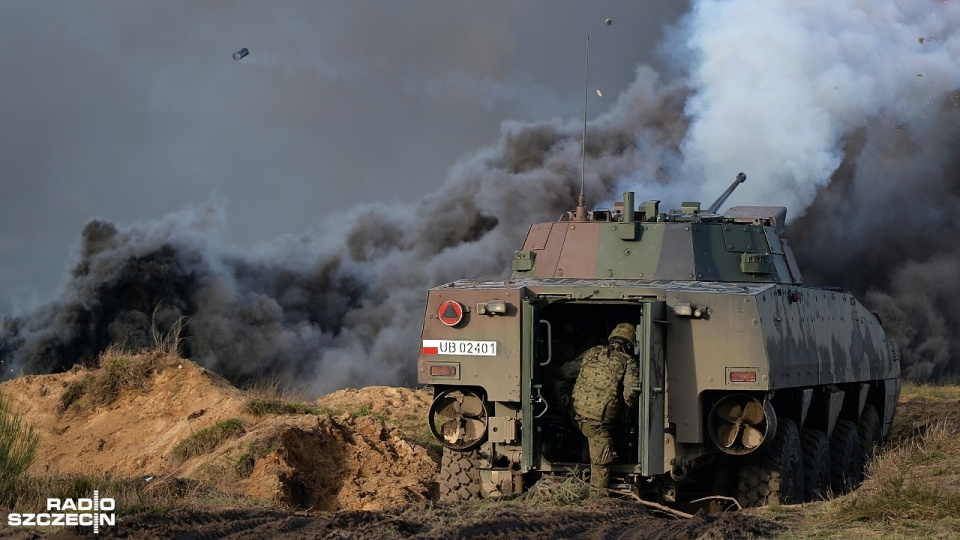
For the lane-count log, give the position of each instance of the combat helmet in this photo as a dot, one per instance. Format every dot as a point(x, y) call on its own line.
point(625, 332)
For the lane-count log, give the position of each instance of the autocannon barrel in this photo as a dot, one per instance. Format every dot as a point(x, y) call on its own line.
point(741, 178)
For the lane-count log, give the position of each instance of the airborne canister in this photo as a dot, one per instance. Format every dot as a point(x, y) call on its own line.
point(752, 384)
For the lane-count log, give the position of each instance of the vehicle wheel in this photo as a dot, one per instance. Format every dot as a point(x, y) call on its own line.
point(868, 429)
point(816, 464)
point(776, 475)
point(846, 470)
point(459, 476)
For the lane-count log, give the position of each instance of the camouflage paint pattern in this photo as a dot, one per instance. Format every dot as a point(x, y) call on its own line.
point(753, 315)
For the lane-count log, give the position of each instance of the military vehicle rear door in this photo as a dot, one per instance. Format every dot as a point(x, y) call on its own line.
point(531, 388)
point(652, 390)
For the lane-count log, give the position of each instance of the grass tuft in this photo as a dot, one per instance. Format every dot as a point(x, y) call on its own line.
point(18, 447)
point(901, 488)
point(117, 371)
point(207, 439)
point(261, 407)
point(171, 341)
point(912, 490)
point(367, 410)
point(74, 392)
point(244, 463)
point(277, 388)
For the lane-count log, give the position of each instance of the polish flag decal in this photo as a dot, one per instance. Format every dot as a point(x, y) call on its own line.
point(431, 346)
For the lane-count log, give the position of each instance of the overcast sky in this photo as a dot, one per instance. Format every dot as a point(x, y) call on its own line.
point(434, 132)
point(130, 110)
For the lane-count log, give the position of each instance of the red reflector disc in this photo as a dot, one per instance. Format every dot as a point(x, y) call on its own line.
point(450, 313)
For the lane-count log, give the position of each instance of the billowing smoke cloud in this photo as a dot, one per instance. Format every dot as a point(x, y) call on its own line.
point(843, 111)
point(781, 84)
point(341, 305)
point(888, 221)
point(847, 113)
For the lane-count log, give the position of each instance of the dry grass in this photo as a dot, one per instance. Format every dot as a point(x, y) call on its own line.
point(132, 495)
point(261, 407)
point(207, 439)
point(244, 463)
point(116, 370)
point(557, 491)
point(912, 489)
point(18, 447)
point(278, 396)
point(929, 392)
point(275, 388)
point(169, 342)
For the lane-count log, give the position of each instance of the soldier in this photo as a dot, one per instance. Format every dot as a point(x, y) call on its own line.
point(568, 351)
point(607, 377)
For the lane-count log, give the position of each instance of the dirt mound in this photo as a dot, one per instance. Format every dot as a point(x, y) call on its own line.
point(404, 407)
point(332, 463)
point(131, 436)
point(343, 452)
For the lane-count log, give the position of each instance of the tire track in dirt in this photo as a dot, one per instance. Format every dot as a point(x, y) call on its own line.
point(607, 519)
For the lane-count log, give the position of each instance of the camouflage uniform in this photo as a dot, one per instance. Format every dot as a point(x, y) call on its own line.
point(564, 379)
point(568, 354)
point(607, 374)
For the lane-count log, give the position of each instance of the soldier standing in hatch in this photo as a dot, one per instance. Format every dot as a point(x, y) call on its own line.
point(604, 386)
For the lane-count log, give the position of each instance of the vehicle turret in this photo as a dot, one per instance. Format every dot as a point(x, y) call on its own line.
point(741, 244)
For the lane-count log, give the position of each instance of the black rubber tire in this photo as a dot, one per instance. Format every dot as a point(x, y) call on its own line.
point(459, 476)
point(868, 429)
point(846, 468)
point(775, 476)
point(816, 464)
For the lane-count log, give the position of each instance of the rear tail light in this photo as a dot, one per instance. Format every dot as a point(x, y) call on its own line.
point(743, 376)
point(443, 370)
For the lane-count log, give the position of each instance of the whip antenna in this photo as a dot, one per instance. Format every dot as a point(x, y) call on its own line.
point(581, 202)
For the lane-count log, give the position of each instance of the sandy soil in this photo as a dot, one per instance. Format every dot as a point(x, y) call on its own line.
point(348, 469)
point(331, 461)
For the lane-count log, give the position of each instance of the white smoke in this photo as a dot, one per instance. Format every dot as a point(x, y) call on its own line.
point(779, 84)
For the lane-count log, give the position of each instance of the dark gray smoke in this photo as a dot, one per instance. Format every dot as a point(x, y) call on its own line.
point(843, 111)
point(886, 228)
point(341, 305)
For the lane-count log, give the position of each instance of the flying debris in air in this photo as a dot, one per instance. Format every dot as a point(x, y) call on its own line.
point(599, 93)
point(608, 22)
point(239, 55)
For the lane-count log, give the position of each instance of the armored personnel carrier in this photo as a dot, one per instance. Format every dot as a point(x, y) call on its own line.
point(753, 385)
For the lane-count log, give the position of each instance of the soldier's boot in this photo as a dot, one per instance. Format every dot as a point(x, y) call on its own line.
point(599, 478)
